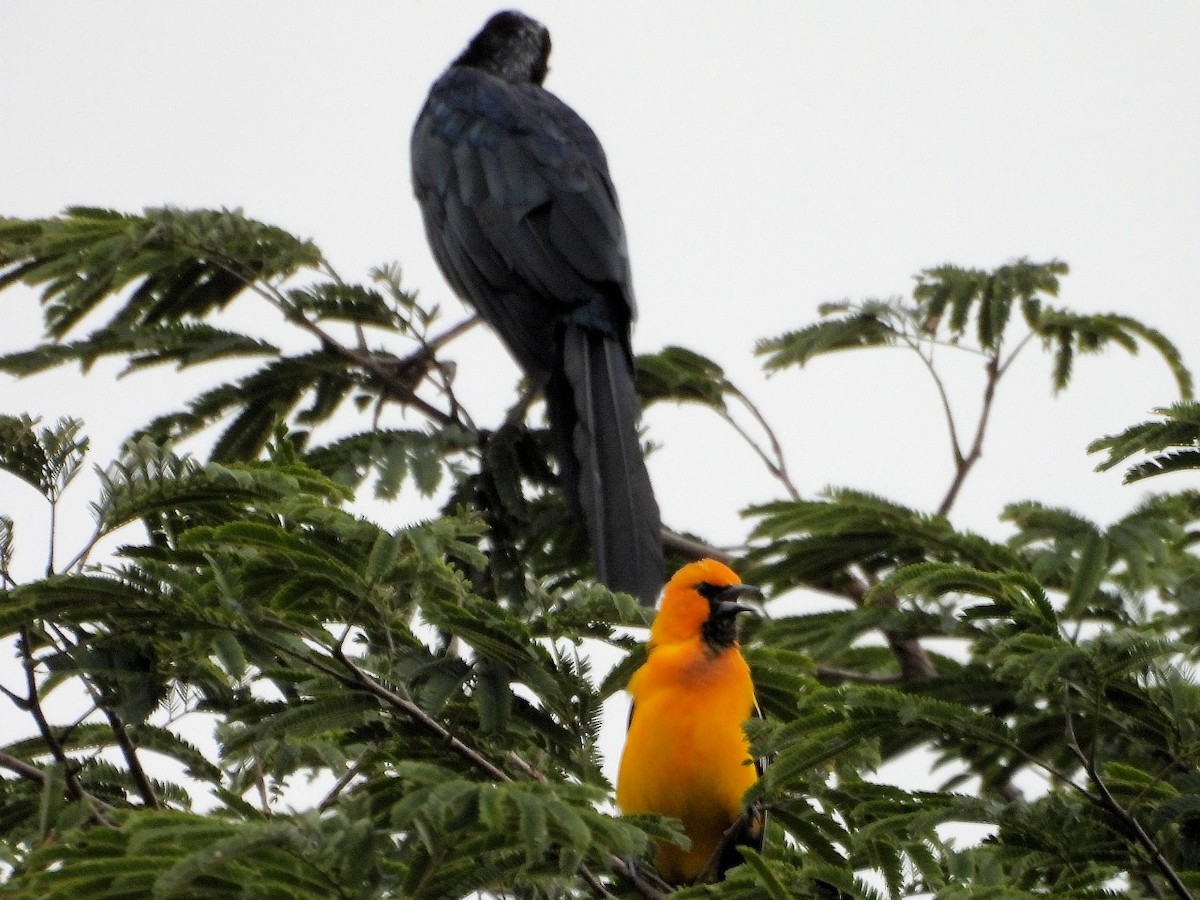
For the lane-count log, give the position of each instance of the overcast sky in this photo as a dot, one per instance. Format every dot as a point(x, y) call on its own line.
point(769, 157)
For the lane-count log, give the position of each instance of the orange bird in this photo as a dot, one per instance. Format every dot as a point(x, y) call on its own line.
point(686, 755)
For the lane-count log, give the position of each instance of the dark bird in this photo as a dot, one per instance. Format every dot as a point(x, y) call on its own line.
point(523, 219)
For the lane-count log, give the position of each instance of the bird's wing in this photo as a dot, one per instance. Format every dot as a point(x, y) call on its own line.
point(523, 219)
point(518, 200)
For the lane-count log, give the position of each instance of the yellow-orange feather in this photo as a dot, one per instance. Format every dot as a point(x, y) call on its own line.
point(686, 755)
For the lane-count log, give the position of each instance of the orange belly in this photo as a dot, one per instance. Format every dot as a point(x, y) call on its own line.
point(686, 755)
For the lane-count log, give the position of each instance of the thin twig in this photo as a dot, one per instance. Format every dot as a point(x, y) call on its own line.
point(915, 664)
point(364, 681)
point(775, 471)
point(260, 782)
point(359, 678)
point(53, 529)
point(1004, 366)
point(34, 705)
point(341, 784)
point(426, 356)
point(97, 808)
point(445, 370)
point(965, 463)
point(22, 768)
point(947, 411)
point(377, 367)
point(128, 751)
point(693, 548)
point(595, 884)
point(144, 785)
point(451, 333)
point(914, 661)
point(1107, 801)
point(80, 559)
point(365, 360)
point(775, 462)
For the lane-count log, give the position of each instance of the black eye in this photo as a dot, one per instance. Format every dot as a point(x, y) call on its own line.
point(710, 591)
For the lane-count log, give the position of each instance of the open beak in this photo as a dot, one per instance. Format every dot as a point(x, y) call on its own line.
point(726, 603)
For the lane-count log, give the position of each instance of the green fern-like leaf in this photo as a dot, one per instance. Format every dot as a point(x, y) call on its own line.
point(46, 458)
point(812, 542)
point(1015, 592)
point(948, 295)
point(1070, 333)
point(178, 262)
point(871, 324)
point(345, 302)
point(7, 548)
point(78, 598)
point(681, 376)
point(182, 343)
point(1174, 441)
point(393, 455)
point(341, 712)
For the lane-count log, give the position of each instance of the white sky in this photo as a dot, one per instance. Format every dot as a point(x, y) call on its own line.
point(769, 156)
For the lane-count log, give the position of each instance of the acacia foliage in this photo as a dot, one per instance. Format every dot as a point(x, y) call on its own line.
point(437, 676)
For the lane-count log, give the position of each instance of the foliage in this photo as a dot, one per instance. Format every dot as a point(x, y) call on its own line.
point(1175, 441)
point(413, 711)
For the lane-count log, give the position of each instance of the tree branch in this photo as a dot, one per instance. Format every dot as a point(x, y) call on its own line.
point(914, 662)
point(52, 537)
point(694, 549)
point(964, 464)
point(359, 678)
point(365, 360)
point(1124, 816)
point(955, 444)
point(22, 768)
point(596, 884)
point(34, 704)
point(409, 708)
point(341, 784)
point(80, 559)
point(364, 681)
point(775, 462)
point(97, 808)
point(144, 786)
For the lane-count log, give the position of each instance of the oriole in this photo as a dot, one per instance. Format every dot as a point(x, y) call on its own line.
point(685, 754)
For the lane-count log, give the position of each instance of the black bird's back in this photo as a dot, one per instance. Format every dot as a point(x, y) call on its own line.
point(520, 211)
point(523, 220)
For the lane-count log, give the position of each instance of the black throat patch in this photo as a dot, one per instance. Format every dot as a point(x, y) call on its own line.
point(719, 630)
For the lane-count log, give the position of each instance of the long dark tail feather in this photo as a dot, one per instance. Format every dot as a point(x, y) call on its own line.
point(594, 415)
point(748, 831)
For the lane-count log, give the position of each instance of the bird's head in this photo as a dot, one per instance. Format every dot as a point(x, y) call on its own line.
point(511, 46)
point(701, 598)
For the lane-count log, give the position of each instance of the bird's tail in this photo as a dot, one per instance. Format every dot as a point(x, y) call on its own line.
point(602, 465)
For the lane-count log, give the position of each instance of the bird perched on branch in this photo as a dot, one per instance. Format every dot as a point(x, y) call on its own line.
point(686, 755)
point(523, 221)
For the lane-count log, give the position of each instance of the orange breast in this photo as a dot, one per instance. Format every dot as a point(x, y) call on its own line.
point(685, 754)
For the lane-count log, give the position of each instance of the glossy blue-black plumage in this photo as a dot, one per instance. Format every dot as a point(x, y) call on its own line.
point(523, 221)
